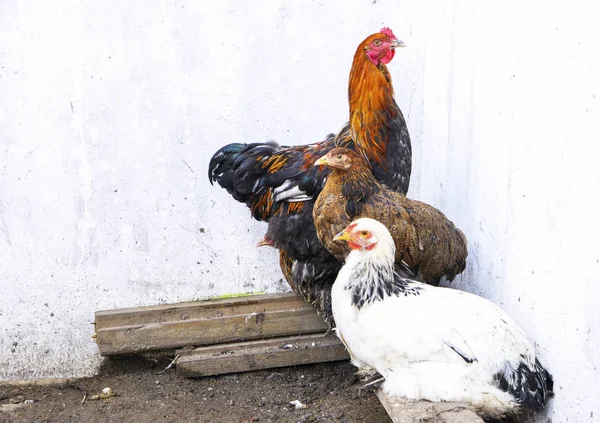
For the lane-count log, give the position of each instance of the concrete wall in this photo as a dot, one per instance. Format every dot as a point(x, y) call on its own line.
point(110, 111)
point(509, 145)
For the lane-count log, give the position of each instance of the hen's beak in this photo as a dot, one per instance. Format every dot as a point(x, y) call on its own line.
point(398, 43)
point(323, 161)
point(342, 236)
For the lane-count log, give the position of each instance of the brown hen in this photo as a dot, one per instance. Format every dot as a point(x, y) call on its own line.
point(428, 245)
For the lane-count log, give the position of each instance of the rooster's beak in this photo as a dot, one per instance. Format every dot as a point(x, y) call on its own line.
point(322, 162)
point(398, 43)
point(342, 236)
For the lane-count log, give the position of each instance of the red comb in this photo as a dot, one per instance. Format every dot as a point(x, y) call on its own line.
point(387, 32)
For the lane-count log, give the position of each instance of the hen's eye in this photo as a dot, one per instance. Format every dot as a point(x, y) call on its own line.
point(364, 233)
point(377, 42)
point(339, 157)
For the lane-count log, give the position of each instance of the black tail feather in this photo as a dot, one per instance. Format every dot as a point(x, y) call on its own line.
point(238, 168)
point(531, 387)
point(222, 165)
point(314, 281)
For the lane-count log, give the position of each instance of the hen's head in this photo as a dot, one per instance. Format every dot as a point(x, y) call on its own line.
point(366, 234)
point(343, 159)
point(381, 46)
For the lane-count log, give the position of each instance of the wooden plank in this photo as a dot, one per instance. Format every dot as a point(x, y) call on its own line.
point(165, 327)
point(257, 355)
point(405, 411)
point(219, 307)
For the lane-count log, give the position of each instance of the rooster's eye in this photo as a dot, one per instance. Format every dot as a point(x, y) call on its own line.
point(377, 42)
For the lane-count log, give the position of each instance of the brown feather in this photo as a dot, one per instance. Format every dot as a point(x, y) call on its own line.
point(274, 163)
point(427, 242)
point(372, 106)
point(286, 263)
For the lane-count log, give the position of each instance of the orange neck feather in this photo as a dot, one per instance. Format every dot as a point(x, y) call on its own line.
point(372, 106)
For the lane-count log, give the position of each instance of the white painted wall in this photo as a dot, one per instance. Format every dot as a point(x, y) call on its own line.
point(509, 145)
point(110, 111)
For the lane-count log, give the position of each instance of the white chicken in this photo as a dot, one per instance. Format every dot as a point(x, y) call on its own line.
point(431, 343)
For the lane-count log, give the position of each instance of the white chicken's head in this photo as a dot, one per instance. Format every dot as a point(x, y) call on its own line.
point(366, 234)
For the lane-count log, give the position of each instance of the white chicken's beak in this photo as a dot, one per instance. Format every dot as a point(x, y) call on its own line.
point(342, 236)
point(398, 43)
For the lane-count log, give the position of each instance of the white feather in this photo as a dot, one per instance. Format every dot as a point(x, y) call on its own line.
point(416, 341)
point(290, 192)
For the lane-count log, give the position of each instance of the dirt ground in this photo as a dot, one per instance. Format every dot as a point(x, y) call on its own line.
point(148, 393)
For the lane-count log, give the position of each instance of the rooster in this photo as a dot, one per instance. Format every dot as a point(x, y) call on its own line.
point(285, 262)
point(431, 343)
point(279, 183)
point(428, 245)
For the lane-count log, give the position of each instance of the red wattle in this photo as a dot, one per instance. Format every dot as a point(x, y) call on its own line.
point(387, 57)
point(354, 245)
point(372, 55)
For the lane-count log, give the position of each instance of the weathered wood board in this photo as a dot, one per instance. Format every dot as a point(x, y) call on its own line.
point(405, 411)
point(171, 326)
point(257, 355)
